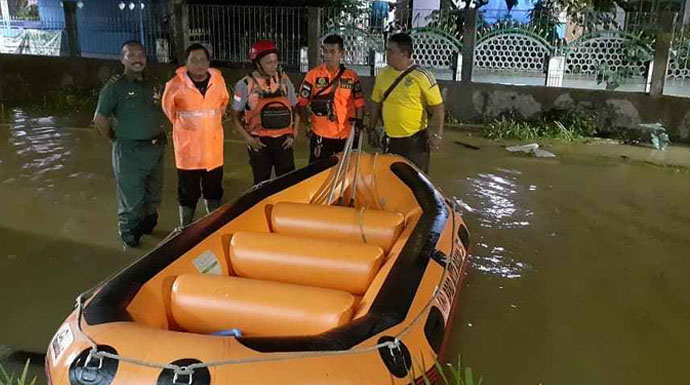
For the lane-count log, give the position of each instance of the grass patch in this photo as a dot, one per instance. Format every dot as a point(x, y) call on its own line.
point(447, 374)
point(565, 126)
point(11, 379)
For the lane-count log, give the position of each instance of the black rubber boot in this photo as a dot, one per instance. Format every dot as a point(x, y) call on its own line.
point(212, 205)
point(186, 215)
point(149, 223)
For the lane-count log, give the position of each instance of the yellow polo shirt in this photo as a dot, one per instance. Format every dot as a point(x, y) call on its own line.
point(404, 111)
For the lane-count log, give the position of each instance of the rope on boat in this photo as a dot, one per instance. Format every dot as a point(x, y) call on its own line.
point(188, 370)
point(360, 221)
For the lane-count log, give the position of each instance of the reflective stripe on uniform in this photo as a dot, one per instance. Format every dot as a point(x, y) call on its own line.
point(199, 113)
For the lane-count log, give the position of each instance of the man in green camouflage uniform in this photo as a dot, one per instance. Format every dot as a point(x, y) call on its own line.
point(129, 113)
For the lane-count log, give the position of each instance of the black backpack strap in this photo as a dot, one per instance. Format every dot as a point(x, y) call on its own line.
point(397, 81)
point(334, 83)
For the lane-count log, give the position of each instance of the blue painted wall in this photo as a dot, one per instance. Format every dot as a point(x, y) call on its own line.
point(103, 26)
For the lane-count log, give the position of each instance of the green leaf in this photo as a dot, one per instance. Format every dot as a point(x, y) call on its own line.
point(456, 374)
point(25, 372)
point(426, 379)
point(5, 379)
point(469, 379)
point(441, 373)
point(462, 382)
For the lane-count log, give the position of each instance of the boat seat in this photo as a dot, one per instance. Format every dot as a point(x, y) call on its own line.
point(337, 223)
point(322, 263)
point(212, 303)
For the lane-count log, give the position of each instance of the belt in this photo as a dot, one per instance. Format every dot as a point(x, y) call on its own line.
point(158, 139)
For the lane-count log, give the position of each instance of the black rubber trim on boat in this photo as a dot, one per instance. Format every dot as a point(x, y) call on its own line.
point(110, 304)
point(464, 236)
point(440, 257)
point(97, 372)
point(393, 301)
point(434, 329)
point(398, 360)
point(200, 376)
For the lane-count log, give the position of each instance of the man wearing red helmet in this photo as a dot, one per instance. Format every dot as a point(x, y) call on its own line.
point(263, 113)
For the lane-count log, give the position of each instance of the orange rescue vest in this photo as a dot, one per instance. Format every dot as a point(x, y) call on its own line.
point(268, 111)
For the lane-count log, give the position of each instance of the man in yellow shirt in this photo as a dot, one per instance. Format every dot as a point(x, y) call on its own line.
point(404, 96)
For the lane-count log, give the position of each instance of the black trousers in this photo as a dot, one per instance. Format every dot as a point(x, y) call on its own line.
point(415, 148)
point(322, 148)
point(191, 183)
point(273, 156)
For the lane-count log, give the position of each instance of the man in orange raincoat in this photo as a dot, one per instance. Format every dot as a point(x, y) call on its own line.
point(195, 101)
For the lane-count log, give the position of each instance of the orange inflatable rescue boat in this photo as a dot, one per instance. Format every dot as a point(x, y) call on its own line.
point(337, 273)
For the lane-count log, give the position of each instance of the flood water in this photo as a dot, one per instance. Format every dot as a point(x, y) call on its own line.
point(579, 270)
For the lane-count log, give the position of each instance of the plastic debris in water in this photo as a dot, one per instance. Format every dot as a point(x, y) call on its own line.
point(526, 148)
point(533, 149)
point(658, 135)
point(661, 141)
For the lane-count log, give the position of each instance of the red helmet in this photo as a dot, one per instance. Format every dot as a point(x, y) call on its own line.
point(262, 48)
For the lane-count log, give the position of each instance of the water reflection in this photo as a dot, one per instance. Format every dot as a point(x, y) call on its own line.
point(40, 148)
point(498, 265)
point(496, 197)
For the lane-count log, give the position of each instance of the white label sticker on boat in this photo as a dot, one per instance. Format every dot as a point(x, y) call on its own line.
point(449, 286)
point(62, 340)
point(207, 263)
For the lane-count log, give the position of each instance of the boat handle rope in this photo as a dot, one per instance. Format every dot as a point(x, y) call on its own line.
point(344, 162)
point(188, 370)
point(189, 381)
point(360, 221)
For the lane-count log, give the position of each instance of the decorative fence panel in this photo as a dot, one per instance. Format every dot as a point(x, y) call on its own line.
point(436, 51)
point(512, 50)
point(678, 73)
point(590, 53)
point(435, 48)
point(679, 58)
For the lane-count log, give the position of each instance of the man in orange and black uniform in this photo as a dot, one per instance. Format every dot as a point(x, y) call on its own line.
point(334, 94)
point(262, 112)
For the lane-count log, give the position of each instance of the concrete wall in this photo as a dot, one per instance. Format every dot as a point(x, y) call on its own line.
point(25, 78)
point(482, 101)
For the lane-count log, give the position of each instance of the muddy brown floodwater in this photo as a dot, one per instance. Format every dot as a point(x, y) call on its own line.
point(579, 269)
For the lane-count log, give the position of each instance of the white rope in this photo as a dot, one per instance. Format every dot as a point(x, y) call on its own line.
point(187, 370)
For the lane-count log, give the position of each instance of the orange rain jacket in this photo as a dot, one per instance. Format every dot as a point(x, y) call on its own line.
point(196, 119)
